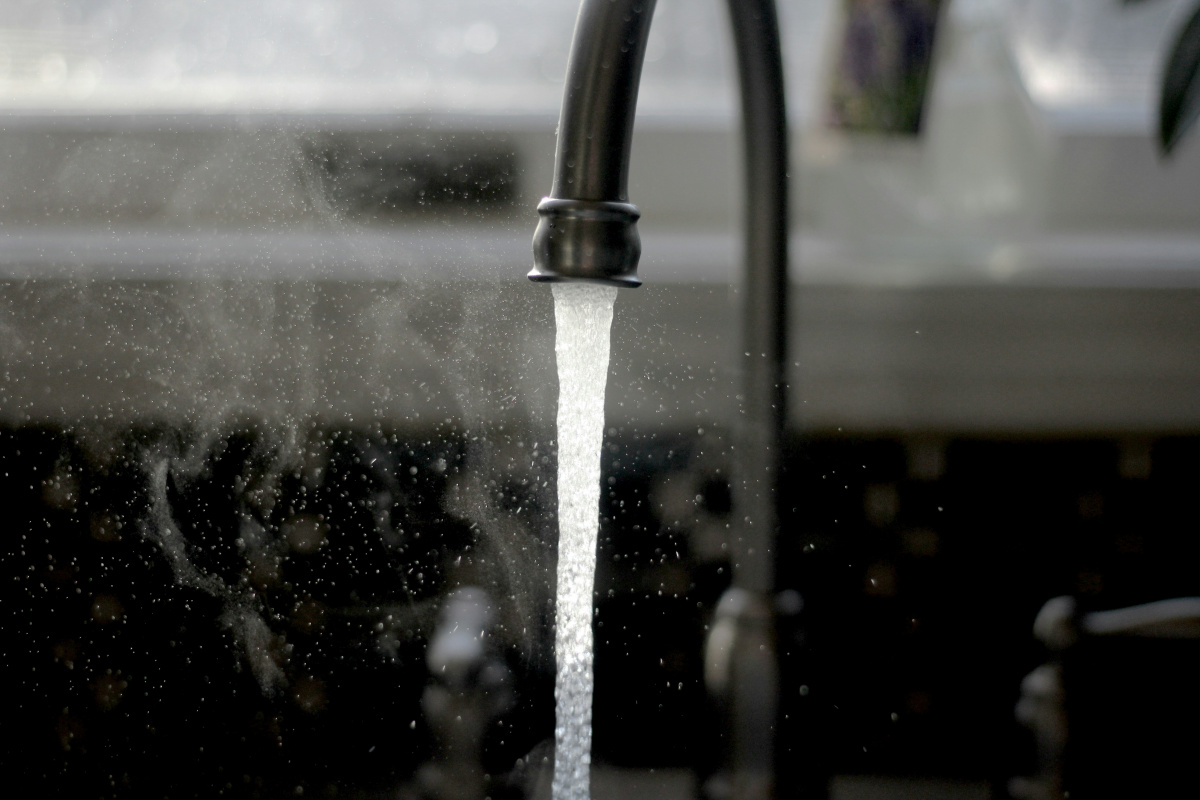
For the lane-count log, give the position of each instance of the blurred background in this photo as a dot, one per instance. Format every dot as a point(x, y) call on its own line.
point(277, 402)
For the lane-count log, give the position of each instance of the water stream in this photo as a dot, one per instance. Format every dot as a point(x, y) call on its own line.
point(583, 315)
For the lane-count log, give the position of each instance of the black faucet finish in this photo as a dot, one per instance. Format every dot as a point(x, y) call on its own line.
point(588, 228)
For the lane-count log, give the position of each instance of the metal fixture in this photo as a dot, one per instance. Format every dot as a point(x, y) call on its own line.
point(588, 232)
point(1110, 710)
point(470, 687)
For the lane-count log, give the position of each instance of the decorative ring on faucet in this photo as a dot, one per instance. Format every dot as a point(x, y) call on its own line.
point(587, 240)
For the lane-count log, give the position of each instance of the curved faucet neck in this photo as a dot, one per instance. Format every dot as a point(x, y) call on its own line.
point(600, 99)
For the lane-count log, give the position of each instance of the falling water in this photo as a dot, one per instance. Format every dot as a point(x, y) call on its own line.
point(583, 314)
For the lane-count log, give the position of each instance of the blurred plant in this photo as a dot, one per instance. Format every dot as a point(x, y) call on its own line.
point(882, 75)
point(1179, 98)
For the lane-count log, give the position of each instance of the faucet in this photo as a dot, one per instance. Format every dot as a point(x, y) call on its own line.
point(588, 232)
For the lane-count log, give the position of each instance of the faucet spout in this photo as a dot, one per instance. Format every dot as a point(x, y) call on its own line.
point(588, 227)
